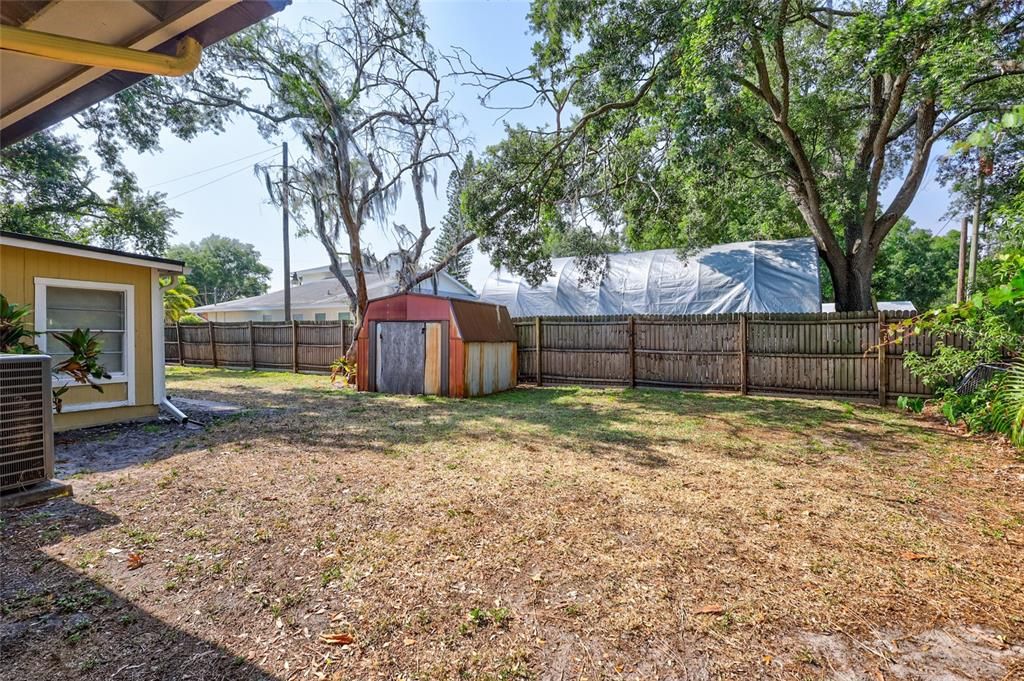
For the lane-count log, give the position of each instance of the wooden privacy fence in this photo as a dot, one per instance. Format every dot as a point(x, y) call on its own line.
point(826, 354)
point(293, 346)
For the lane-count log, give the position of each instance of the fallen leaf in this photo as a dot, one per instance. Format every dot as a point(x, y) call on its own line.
point(767, 659)
point(337, 639)
point(910, 555)
point(713, 609)
point(135, 561)
point(410, 641)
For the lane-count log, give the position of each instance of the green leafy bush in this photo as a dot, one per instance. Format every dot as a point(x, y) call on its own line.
point(914, 404)
point(992, 324)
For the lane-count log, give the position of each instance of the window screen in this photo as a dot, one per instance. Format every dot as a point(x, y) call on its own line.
point(68, 309)
point(320, 317)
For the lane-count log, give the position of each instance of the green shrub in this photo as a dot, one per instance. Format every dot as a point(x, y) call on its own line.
point(992, 324)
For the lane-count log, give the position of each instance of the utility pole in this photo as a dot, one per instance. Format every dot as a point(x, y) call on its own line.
point(284, 220)
point(962, 263)
point(975, 229)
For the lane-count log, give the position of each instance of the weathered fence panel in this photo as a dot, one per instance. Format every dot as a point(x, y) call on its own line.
point(827, 354)
point(298, 346)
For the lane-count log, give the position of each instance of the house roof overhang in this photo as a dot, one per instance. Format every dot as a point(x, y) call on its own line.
point(164, 265)
point(38, 92)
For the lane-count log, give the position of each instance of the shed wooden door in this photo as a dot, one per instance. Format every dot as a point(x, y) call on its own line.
point(401, 357)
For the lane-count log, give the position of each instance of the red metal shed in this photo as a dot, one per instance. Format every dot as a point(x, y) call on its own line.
point(427, 345)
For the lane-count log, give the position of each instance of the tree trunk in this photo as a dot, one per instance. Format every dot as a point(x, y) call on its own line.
point(852, 281)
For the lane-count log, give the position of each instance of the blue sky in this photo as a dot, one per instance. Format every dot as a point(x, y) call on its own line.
point(231, 200)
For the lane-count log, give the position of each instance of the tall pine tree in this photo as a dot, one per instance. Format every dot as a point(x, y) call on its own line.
point(454, 226)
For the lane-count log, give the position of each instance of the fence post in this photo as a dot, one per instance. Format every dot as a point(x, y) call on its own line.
point(536, 330)
point(177, 336)
point(252, 348)
point(341, 345)
point(632, 351)
point(295, 346)
point(883, 368)
point(213, 343)
point(742, 341)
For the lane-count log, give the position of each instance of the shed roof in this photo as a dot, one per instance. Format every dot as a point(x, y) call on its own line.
point(476, 322)
point(483, 322)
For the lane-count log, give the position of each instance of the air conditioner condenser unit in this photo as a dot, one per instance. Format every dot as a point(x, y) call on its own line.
point(26, 421)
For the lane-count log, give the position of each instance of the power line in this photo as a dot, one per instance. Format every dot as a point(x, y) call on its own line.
point(216, 179)
point(206, 170)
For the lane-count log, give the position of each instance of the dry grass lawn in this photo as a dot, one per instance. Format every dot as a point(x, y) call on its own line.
point(555, 533)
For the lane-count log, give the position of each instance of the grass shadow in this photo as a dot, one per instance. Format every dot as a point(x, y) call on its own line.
point(59, 623)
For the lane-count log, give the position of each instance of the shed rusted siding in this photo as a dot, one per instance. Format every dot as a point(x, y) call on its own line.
point(490, 368)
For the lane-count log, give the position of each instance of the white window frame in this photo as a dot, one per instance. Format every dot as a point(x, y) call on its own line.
point(127, 375)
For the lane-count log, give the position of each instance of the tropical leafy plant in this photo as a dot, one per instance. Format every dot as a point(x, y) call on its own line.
point(343, 368)
point(83, 365)
point(15, 338)
point(179, 299)
point(914, 404)
point(1008, 405)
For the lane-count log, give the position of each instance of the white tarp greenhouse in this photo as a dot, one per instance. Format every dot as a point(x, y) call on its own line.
point(751, 276)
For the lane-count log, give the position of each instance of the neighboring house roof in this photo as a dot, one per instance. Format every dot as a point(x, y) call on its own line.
point(38, 92)
point(887, 306)
point(109, 254)
point(752, 276)
point(324, 272)
point(314, 295)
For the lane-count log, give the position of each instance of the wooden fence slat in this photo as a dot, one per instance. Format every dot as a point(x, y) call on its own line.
point(540, 353)
point(742, 342)
point(632, 352)
point(882, 373)
point(252, 349)
point(295, 346)
point(177, 338)
point(213, 343)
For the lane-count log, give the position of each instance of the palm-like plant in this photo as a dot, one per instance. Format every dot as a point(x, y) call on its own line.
point(1008, 405)
point(179, 300)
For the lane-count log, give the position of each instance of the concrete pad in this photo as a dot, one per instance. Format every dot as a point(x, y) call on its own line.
point(32, 495)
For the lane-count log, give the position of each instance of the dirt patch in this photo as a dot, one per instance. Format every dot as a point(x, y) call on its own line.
point(540, 534)
point(121, 445)
point(948, 654)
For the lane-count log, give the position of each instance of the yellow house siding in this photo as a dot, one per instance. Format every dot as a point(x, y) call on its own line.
point(19, 269)
point(102, 417)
